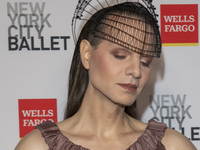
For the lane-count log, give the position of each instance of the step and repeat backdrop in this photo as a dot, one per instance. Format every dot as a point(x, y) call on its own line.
point(36, 48)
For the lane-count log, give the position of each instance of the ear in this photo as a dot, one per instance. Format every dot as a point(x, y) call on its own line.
point(85, 52)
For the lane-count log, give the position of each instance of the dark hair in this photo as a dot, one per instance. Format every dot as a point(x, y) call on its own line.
point(78, 76)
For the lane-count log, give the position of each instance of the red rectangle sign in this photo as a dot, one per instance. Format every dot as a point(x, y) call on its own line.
point(179, 25)
point(35, 111)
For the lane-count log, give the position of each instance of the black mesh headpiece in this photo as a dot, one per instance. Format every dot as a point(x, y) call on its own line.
point(128, 24)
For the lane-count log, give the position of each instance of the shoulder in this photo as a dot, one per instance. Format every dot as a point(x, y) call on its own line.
point(173, 140)
point(136, 124)
point(32, 141)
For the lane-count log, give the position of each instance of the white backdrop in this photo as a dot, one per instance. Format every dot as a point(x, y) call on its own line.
point(171, 95)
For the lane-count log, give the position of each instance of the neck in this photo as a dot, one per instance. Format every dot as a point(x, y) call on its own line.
point(100, 115)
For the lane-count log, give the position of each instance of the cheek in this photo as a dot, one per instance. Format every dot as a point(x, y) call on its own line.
point(103, 70)
point(99, 67)
point(145, 75)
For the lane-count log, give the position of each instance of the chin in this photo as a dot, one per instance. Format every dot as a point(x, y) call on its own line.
point(129, 101)
point(124, 103)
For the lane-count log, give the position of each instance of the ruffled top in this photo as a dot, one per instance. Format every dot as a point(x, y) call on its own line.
point(149, 140)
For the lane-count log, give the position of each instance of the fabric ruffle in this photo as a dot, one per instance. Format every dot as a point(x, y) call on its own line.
point(149, 140)
point(55, 139)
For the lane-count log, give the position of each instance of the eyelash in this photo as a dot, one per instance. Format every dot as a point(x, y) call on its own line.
point(145, 64)
point(123, 57)
point(120, 57)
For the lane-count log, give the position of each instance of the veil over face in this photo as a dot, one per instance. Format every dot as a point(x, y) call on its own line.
point(129, 25)
point(131, 32)
point(121, 24)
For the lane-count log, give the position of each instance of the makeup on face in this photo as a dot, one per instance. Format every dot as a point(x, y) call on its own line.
point(122, 53)
point(128, 87)
point(146, 61)
point(115, 72)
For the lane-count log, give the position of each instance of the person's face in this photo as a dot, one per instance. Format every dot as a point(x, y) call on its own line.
point(118, 74)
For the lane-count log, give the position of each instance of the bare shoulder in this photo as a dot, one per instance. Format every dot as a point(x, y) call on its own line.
point(32, 141)
point(173, 140)
point(137, 124)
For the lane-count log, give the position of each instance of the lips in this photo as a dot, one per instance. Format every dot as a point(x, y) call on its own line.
point(129, 87)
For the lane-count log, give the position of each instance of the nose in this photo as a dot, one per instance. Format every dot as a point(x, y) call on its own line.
point(134, 67)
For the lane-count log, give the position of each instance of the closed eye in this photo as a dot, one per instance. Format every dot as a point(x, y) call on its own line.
point(119, 57)
point(120, 53)
point(146, 61)
point(145, 64)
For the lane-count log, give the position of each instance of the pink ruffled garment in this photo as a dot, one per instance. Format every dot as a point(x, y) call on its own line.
point(149, 140)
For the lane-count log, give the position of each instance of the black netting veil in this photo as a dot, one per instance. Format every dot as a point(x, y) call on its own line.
point(128, 24)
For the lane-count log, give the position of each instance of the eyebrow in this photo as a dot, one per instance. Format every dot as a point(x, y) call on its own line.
point(131, 51)
point(143, 55)
point(123, 48)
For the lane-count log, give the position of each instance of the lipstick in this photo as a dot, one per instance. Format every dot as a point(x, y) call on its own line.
point(128, 87)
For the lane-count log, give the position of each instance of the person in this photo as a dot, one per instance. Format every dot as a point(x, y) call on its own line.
point(110, 67)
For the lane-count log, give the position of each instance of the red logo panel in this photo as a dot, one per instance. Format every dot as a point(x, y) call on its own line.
point(179, 25)
point(35, 111)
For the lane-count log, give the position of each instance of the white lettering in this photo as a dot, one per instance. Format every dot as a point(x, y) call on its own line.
point(26, 113)
point(184, 28)
point(167, 28)
point(191, 17)
point(176, 18)
point(33, 113)
point(191, 26)
point(38, 113)
point(180, 18)
point(34, 122)
point(168, 18)
point(179, 28)
point(25, 121)
point(50, 113)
